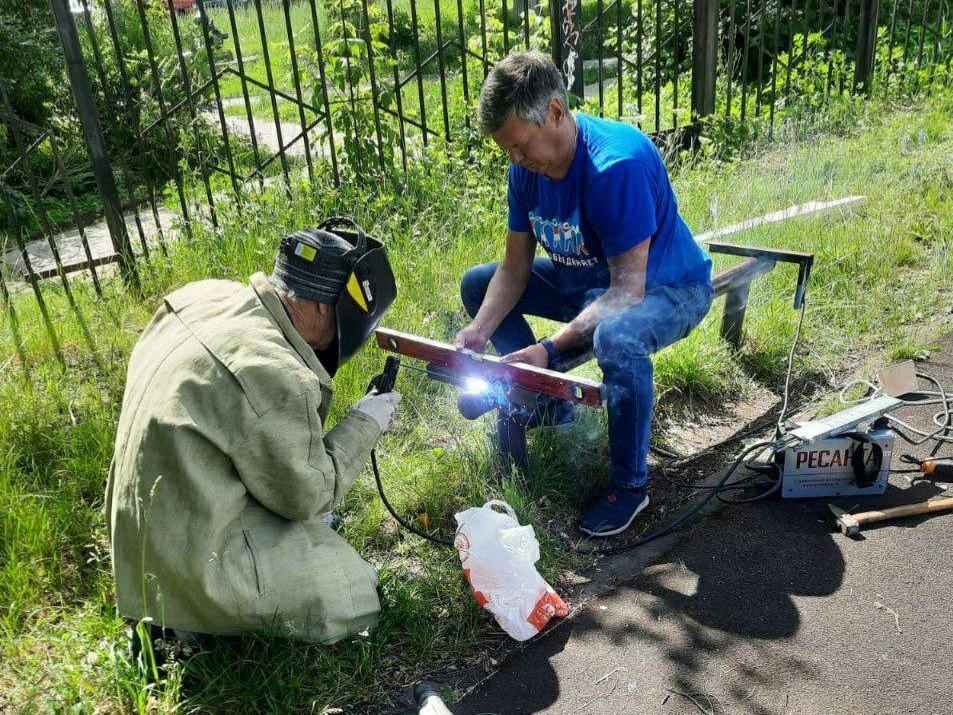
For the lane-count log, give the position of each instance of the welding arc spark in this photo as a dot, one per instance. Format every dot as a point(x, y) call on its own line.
point(475, 386)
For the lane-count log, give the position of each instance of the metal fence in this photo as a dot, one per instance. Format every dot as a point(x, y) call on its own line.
point(214, 98)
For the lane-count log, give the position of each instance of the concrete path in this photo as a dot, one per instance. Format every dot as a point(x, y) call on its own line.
point(70, 246)
point(761, 610)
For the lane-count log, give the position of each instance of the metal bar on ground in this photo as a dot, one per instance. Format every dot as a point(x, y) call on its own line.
point(809, 208)
point(246, 98)
point(296, 80)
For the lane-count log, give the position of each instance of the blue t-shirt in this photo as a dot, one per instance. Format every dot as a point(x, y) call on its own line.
point(617, 194)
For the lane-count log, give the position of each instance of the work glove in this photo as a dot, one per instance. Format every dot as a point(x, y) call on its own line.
point(380, 408)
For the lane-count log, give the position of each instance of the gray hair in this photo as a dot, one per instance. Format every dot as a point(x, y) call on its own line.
point(522, 84)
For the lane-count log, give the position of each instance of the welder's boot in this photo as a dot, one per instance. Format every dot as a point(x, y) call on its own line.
point(164, 645)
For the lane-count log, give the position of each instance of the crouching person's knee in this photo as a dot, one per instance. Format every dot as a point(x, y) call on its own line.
point(359, 607)
point(323, 592)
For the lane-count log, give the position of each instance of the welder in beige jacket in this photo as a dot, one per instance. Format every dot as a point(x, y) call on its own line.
point(223, 467)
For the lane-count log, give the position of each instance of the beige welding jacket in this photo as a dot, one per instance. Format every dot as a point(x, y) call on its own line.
point(222, 470)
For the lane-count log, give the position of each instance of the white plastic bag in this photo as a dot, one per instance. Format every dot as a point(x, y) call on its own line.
point(498, 557)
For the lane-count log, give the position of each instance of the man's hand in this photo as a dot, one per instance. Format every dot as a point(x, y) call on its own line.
point(471, 338)
point(535, 355)
point(380, 408)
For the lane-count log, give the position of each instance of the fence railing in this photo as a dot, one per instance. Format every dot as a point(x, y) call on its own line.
point(211, 98)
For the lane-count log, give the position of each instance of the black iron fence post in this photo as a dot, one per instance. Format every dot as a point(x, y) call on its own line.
point(866, 45)
point(704, 58)
point(93, 133)
point(566, 21)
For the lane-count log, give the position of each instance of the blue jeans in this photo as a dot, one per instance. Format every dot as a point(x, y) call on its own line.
point(623, 345)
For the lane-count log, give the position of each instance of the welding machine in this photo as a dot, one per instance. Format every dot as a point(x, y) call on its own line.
point(853, 464)
point(846, 454)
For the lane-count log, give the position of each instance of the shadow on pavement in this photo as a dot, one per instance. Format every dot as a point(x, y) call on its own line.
point(729, 588)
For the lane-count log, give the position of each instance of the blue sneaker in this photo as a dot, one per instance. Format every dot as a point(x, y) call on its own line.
point(613, 511)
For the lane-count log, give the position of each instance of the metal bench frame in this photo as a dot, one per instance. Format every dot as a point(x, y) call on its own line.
point(734, 283)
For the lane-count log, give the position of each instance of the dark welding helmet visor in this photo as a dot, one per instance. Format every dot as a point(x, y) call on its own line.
point(369, 289)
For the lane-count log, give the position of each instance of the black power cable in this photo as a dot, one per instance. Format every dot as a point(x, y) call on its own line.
point(410, 527)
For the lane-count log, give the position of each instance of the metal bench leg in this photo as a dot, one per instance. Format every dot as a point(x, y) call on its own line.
point(736, 303)
point(512, 443)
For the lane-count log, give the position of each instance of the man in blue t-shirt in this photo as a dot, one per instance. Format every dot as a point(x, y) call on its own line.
point(621, 270)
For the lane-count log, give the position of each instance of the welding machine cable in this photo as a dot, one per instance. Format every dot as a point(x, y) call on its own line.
point(689, 515)
point(943, 419)
point(393, 513)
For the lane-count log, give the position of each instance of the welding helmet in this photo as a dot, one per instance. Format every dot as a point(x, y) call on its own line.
point(337, 263)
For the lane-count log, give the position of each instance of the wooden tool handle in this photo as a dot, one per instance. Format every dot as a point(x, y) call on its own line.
point(927, 507)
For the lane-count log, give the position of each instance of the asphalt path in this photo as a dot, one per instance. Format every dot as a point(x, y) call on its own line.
point(762, 609)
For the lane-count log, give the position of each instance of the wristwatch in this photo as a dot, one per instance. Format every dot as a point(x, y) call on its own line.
point(551, 350)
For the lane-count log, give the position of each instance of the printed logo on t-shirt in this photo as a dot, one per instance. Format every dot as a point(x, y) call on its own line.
point(562, 240)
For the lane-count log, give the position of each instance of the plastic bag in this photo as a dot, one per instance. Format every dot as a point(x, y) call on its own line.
point(498, 557)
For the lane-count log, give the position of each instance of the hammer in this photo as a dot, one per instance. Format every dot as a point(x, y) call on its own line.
point(850, 524)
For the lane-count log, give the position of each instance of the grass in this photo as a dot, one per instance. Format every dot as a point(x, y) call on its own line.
point(882, 271)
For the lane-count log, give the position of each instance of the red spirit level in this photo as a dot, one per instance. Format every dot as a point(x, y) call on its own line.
point(460, 367)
